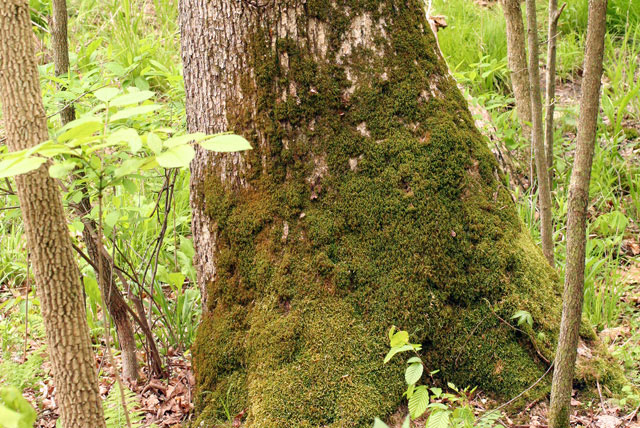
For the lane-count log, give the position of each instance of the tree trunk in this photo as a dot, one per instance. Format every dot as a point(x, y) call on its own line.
point(115, 301)
point(369, 200)
point(537, 138)
point(576, 218)
point(57, 280)
point(517, 58)
point(550, 89)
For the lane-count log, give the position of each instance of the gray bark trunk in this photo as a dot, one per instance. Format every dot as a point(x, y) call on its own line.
point(559, 410)
point(56, 273)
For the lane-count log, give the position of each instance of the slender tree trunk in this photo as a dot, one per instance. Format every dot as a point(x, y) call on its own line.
point(369, 200)
point(60, 48)
point(115, 301)
point(550, 92)
point(56, 273)
point(517, 58)
point(577, 213)
point(537, 139)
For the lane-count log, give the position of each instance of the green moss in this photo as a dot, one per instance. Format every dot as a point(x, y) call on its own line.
point(368, 206)
point(600, 367)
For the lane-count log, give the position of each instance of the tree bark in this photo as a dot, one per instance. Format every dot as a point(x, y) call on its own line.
point(550, 90)
point(57, 280)
point(576, 221)
point(369, 200)
point(115, 301)
point(537, 139)
point(517, 58)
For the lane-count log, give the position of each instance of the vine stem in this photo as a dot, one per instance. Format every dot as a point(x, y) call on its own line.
point(105, 317)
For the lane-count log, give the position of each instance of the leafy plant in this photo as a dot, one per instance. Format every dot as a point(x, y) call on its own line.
point(15, 411)
point(446, 410)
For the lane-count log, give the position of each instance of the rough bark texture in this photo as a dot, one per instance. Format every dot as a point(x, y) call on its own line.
point(60, 48)
point(115, 301)
point(517, 58)
point(550, 87)
point(370, 199)
point(537, 138)
point(57, 280)
point(576, 221)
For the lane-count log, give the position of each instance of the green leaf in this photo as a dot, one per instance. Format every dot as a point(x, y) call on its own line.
point(131, 98)
point(11, 399)
point(439, 419)
point(183, 139)
point(13, 167)
point(226, 143)
point(134, 111)
point(106, 94)
point(523, 317)
point(62, 169)
point(397, 350)
point(414, 360)
point(400, 338)
point(83, 127)
point(418, 402)
point(129, 166)
point(154, 142)
point(377, 423)
point(413, 373)
point(407, 422)
point(176, 157)
point(9, 418)
point(112, 218)
point(129, 186)
point(126, 135)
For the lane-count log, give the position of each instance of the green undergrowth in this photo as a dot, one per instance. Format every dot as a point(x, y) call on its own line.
point(403, 222)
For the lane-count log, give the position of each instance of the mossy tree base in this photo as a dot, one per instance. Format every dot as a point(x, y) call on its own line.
point(370, 200)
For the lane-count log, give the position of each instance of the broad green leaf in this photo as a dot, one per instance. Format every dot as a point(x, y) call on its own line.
point(83, 127)
point(13, 400)
point(226, 143)
point(126, 135)
point(407, 422)
point(400, 338)
point(436, 391)
point(379, 424)
point(176, 157)
point(77, 225)
point(418, 402)
point(465, 415)
point(397, 350)
point(112, 218)
point(413, 373)
point(183, 139)
point(50, 149)
point(129, 186)
point(131, 98)
point(410, 389)
point(106, 94)
point(129, 166)
point(13, 167)
point(392, 331)
point(439, 419)
point(154, 142)
point(134, 111)
point(9, 418)
point(62, 169)
point(414, 360)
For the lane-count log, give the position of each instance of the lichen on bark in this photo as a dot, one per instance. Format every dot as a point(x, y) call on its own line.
point(369, 200)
